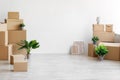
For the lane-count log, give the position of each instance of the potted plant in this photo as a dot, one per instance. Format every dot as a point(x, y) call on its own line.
point(22, 25)
point(101, 51)
point(95, 39)
point(28, 46)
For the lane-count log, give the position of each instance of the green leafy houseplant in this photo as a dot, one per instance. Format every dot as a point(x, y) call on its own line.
point(22, 25)
point(28, 45)
point(101, 51)
point(95, 39)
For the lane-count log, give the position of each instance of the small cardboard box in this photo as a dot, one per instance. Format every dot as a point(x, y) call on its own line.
point(5, 52)
point(17, 56)
point(14, 24)
point(3, 27)
point(3, 38)
point(16, 36)
point(91, 50)
point(20, 66)
point(109, 27)
point(113, 51)
point(13, 15)
point(105, 36)
point(98, 28)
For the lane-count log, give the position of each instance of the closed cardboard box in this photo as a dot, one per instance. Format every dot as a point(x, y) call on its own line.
point(113, 51)
point(16, 36)
point(14, 24)
point(5, 52)
point(105, 36)
point(98, 28)
point(109, 28)
point(20, 66)
point(13, 15)
point(91, 50)
point(3, 27)
point(3, 38)
point(17, 51)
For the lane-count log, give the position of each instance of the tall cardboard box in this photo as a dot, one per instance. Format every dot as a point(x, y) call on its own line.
point(3, 38)
point(3, 27)
point(98, 28)
point(13, 15)
point(16, 36)
point(5, 52)
point(109, 28)
point(91, 50)
point(14, 24)
point(105, 36)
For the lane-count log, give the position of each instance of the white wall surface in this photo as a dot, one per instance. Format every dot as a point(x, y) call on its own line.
point(57, 23)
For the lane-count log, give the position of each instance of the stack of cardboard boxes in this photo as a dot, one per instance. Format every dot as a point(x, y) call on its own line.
point(15, 33)
point(4, 47)
point(106, 36)
point(10, 34)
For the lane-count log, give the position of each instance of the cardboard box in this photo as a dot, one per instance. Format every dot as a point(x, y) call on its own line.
point(13, 15)
point(5, 52)
point(91, 50)
point(18, 57)
point(17, 51)
point(98, 28)
point(113, 51)
point(20, 66)
point(105, 36)
point(3, 38)
point(16, 36)
point(109, 27)
point(3, 27)
point(14, 24)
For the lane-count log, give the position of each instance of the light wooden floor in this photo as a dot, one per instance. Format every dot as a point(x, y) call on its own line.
point(63, 67)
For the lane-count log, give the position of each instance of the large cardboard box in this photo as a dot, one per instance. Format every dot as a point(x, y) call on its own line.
point(13, 15)
point(113, 51)
point(16, 36)
point(5, 52)
point(98, 28)
point(17, 51)
point(3, 38)
point(14, 24)
point(105, 36)
point(3, 27)
point(91, 50)
point(109, 27)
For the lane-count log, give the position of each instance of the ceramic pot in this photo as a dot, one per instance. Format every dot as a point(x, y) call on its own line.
point(101, 58)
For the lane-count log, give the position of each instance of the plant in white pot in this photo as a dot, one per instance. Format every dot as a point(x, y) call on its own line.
point(101, 51)
point(22, 25)
point(95, 39)
point(28, 46)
